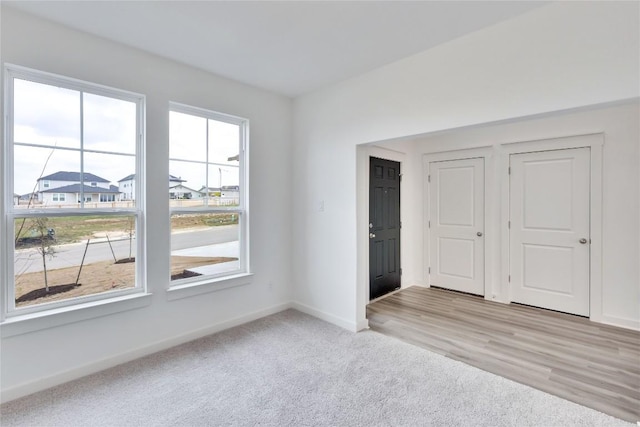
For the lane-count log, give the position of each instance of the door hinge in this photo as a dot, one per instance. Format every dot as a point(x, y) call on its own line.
point(509, 278)
point(428, 178)
point(509, 224)
point(509, 170)
point(401, 272)
point(400, 224)
point(429, 223)
point(400, 177)
point(429, 270)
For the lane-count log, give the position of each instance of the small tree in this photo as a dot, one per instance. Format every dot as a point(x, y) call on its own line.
point(46, 244)
point(33, 192)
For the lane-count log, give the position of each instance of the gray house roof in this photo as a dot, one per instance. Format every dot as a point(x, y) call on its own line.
point(183, 186)
point(75, 188)
point(73, 177)
point(128, 177)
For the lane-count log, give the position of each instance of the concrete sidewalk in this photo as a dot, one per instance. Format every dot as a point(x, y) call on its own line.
point(229, 250)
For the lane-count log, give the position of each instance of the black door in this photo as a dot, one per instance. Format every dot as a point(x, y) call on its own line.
point(384, 227)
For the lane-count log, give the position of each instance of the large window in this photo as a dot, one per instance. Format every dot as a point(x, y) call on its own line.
point(207, 191)
point(67, 144)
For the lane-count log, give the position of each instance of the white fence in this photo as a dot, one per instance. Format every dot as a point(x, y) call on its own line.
point(175, 203)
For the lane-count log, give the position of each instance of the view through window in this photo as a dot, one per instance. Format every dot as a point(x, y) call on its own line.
point(206, 190)
point(75, 229)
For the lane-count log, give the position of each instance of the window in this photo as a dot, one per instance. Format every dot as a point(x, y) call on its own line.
point(207, 152)
point(107, 197)
point(72, 137)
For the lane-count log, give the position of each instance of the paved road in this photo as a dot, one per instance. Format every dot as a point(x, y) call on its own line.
point(28, 260)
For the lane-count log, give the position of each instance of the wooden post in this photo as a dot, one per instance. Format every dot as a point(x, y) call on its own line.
point(111, 247)
point(82, 263)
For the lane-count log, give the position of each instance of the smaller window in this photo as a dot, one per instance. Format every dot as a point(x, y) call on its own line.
point(207, 192)
point(59, 197)
point(94, 184)
point(107, 197)
point(45, 184)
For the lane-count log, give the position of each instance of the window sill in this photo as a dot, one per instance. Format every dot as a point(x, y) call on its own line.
point(18, 325)
point(206, 286)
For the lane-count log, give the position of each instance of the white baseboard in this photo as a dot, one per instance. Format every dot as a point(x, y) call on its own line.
point(338, 321)
point(621, 322)
point(109, 362)
point(361, 325)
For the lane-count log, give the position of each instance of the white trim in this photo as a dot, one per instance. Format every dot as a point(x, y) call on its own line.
point(363, 155)
point(595, 142)
point(25, 323)
point(111, 361)
point(205, 286)
point(37, 76)
point(327, 317)
point(621, 322)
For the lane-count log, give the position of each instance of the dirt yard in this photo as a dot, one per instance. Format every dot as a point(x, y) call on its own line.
point(97, 277)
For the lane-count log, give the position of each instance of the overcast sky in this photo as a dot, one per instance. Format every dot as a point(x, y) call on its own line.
point(50, 116)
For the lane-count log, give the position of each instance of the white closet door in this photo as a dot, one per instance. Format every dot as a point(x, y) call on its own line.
point(549, 234)
point(457, 225)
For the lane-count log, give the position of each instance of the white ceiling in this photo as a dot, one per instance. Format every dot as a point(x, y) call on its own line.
point(286, 47)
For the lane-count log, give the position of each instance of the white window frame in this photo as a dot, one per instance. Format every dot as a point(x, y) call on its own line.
point(185, 287)
point(58, 310)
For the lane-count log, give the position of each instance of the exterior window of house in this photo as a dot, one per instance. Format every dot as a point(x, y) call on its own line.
point(107, 197)
point(207, 150)
point(73, 133)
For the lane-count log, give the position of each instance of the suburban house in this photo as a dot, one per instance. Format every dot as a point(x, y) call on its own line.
point(127, 186)
point(180, 191)
point(210, 191)
point(485, 151)
point(65, 188)
point(230, 192)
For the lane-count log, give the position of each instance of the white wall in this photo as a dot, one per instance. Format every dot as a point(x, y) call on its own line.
point(564, 55)
point(36, 360)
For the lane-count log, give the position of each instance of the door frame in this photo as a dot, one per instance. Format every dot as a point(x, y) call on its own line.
point(384, 230)
point(486, 153)
point(595, 142)
point(363, 154)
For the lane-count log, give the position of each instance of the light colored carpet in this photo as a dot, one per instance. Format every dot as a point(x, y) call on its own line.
point(291, 369)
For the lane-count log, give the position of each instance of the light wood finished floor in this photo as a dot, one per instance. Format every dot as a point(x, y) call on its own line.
point(569, 356)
